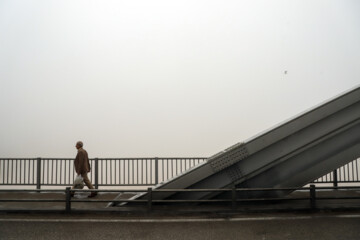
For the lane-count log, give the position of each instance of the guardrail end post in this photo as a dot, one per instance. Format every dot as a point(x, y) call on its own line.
point(313, 196)
point(68, 200)
point(156, 170)
point(149, 206)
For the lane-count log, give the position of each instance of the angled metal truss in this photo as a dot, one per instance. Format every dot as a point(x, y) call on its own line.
point(291, 154)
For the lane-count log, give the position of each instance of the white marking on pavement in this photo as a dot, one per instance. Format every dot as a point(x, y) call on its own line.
point(77, 220)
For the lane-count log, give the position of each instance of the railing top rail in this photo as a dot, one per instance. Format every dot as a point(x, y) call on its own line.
point(130, 158)
point(169, 158)
point(176, 190)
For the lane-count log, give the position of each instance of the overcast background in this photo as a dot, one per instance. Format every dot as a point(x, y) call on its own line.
point(166, 78)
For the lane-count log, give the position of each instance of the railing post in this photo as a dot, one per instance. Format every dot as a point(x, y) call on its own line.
point(312, 196)
point(233, 196)
point(96, 173)
point(149, 192)
point(68, 200)
point(335, 178)
point(156, 170)
point(38, 173)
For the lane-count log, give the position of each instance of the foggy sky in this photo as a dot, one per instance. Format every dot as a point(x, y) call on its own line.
point(166, 78)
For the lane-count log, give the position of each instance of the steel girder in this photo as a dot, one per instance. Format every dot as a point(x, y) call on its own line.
point(289, 155)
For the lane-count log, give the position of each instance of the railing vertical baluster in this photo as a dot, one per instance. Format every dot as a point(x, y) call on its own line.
point(20, 171)
point(23, 172)
point(146, 170)
point(47, 172)
point(16, 170)
point(31, 180)
point(168, 169)
point(106, 175)
point(137, 170)
point(38, 178)
point(163, 170)
point(56, 170)
point(112, 168)
point(8, 171)
point(128, 171)
point(111, 163)
point(181, 165)
point(157, 170)
point(65, 171)
point(101, 171)
point(33, 171)
point(133, 171)
point(142, 171)
point(52, 171)
point(357, 170)
point(117, 171)
point(124, 172)
point(177, 170)
point(339, 174)
point(3, 171)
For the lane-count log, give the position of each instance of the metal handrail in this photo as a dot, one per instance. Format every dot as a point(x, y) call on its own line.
point(312, 197)
point(105, 171)
point(125, 171)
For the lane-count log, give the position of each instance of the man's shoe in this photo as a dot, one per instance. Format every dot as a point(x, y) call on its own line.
point(93, 194)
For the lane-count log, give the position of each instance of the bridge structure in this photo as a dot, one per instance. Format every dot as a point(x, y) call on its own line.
point(289, 155)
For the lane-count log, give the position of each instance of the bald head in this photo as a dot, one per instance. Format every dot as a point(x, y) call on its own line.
point(79, 144)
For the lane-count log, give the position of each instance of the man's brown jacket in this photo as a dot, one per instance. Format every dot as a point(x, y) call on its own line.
point(81, 162)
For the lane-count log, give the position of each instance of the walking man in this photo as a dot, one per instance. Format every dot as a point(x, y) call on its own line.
point(82, 166)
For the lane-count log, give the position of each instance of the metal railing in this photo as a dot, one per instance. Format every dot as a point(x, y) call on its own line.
point(124, 171)
point(104, 171)
point(349, 173)
point(233, 203)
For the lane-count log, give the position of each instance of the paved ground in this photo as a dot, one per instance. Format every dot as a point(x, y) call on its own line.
point(176, 222)
point(322, 226)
